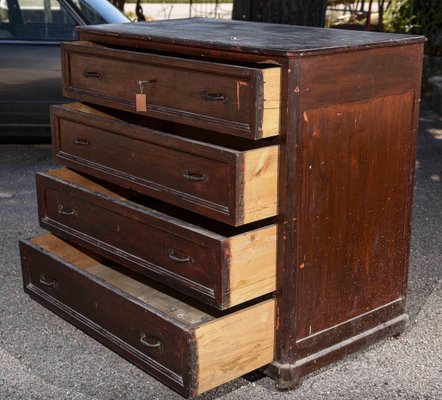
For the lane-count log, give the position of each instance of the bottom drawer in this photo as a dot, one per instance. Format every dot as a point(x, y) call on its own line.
point(187, 345)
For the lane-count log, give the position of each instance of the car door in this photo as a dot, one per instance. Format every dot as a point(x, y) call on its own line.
point(30, 36)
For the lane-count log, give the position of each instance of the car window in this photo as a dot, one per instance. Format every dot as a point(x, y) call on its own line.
point(99, 11)
point(89, 12)
point(35, 20)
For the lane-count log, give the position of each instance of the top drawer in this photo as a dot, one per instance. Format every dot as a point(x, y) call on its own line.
point(230, 99)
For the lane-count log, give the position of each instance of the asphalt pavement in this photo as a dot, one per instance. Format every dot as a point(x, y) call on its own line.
point(44, 357)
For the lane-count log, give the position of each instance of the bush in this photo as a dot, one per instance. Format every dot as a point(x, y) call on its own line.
point(399, 17)
point(422, 17)
point(429, 23)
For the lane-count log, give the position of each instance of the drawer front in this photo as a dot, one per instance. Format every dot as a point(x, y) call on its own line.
point(130, 240)
point(144, 337)
point(219, 265)
point(211, 180)
point(185, 176)
point(190, 347)
point(229, 99)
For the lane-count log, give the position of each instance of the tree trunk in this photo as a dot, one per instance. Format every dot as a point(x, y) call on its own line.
point(295, 12)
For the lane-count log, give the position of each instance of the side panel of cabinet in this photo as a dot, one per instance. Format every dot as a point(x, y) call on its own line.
point(346, 179)
point(356, 158)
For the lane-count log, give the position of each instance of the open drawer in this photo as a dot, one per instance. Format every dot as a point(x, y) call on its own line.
point(216, 263)
point(232, 180)
point(191, 348)
point(232, 99)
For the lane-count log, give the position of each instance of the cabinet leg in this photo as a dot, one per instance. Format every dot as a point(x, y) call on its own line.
point(286, 376)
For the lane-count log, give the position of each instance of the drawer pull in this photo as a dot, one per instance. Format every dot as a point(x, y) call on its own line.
point(92, 74)
point(182, 260)
point(67, 213)
point(144, 342)
point(81, 142)
point(47, 282)
point(194, 177)
point(214, 96)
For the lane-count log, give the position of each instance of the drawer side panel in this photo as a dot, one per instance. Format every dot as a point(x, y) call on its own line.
point(235, 345)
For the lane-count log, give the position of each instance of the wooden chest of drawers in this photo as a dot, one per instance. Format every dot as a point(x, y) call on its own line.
point(238, 196)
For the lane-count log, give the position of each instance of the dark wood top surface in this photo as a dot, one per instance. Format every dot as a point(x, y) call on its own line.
point(241, 36)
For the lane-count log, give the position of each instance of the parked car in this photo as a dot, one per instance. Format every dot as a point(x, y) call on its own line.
point(30, 35)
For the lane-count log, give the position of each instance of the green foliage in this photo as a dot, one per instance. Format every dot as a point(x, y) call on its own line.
point(429, 23)
point(399, 17)
point(422, 17)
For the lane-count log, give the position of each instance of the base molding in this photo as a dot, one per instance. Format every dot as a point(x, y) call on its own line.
point(289, 376)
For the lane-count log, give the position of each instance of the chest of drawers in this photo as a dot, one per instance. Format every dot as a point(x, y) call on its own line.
point(238, 196)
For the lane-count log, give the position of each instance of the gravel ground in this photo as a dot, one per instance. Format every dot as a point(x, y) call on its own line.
point(43, 357)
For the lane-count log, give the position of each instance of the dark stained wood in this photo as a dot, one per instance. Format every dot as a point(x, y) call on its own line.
point(347, 108)
point(238, 37)
point(225, 98)
point(185, 171)
point(314, 344)
point(347, 167)
point(168, 248)
point(341, 78)
point(152, 327)
point(289, 376)
point(285, 375)
point(353, 205)
point(102, 312)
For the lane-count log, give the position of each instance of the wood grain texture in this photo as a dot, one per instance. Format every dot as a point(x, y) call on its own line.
point(272, 101)
point(181, 250)
point(288, 190)
point(107, 314)
point(185, 171)
point(346, 118)
point(252, 264)
point(289, 376)
point(346, 166)
point(96, 266)
point(260, 180)
point(353, 206)
point(188, 349)
point(224, 98)
point(335, 335)
point(66, 251)
point(240, 37)
point(78, 179)
point(232, 346)
point(358, 75)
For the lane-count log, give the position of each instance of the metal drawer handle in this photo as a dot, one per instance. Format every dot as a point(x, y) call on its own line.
point(47, 282)
point(62, 211)
point(81, 142)
point(144, 342)
point(182, 260)
point(214, 96)
point(194, 177)
point(92, 74)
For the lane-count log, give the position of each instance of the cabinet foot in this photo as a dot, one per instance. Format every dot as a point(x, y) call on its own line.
point(289, 376)
point(286, 376)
